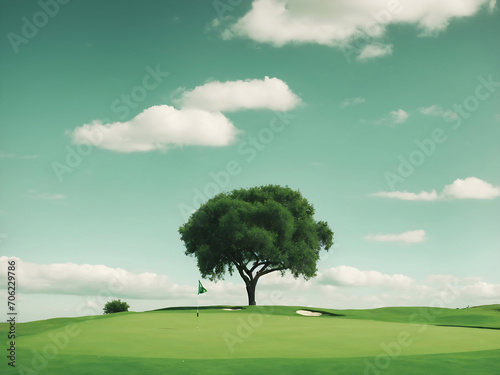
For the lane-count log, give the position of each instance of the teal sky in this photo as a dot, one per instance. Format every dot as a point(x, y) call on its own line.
point(123, 209)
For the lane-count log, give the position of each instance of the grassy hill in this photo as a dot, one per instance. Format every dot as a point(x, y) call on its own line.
point(265, 340)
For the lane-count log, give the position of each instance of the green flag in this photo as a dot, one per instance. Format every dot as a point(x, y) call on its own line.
point(201, 288)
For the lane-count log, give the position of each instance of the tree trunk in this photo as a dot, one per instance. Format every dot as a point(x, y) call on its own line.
point(251, 292)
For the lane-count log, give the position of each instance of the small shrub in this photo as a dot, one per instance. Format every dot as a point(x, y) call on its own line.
point(115, 306)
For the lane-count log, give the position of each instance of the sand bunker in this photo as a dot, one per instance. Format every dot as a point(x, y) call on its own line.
point(231, 309)
point(308, 313)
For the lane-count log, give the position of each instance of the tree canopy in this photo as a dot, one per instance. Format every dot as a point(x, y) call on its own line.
point(256, 231)
point(115, 306)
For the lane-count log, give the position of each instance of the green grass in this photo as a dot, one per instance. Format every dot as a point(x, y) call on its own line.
point(264, 339)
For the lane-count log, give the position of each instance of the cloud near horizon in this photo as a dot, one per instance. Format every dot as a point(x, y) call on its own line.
point(93, 280)
point(353, 277)
point(200, 121)
point(468, 188)
point(344, 286)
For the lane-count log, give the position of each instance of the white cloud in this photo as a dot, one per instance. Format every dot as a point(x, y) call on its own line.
point(466, 286)
point(482, 289)
point(471, 188)
point(468, 188)
point(198, 123)
point(351, 276)
point(269, 93)
point(352, 101)
point(395, 117)
point(435, 110)
point(82, 289)
point(441, 279)
point(158, 128)
point(405, 195)
point(274, 281)
point(92, 280)
point(414, 236)
point(374, 50)
point(399, 116)
point(337, 23)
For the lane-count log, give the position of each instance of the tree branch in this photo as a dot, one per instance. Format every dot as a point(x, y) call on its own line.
point(242, 274)
point(257, 264)
point(243, 268)
point(260, 273)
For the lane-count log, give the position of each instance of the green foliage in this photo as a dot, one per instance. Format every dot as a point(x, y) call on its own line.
point(115, 306)
point(256, 231)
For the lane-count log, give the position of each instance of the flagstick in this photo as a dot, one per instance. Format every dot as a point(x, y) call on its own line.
point(197, 313)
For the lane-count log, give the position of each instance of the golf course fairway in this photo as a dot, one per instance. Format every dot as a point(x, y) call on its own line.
point(264, 340)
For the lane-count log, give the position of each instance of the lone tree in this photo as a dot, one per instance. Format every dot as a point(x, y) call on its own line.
point(115, 306)
point(256, 231)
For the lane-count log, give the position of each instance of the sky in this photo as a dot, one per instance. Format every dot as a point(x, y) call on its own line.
point(119, 118)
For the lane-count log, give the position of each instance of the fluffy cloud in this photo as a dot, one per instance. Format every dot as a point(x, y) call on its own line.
point(405, 195)
point(435, 110)
point(414, 236)
point(351, 276)
point(92, 280)
point(471, 188)
point(200, 121)
point(337, 23)
point(465, 287)
point(395, 117)
point(158, 128)
point(82, 289)
point(270, 93)
point(274, 281)
point(399, 116)
point(374, 50)
point(352, 101)
point(468, 188)
point(482, 289)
